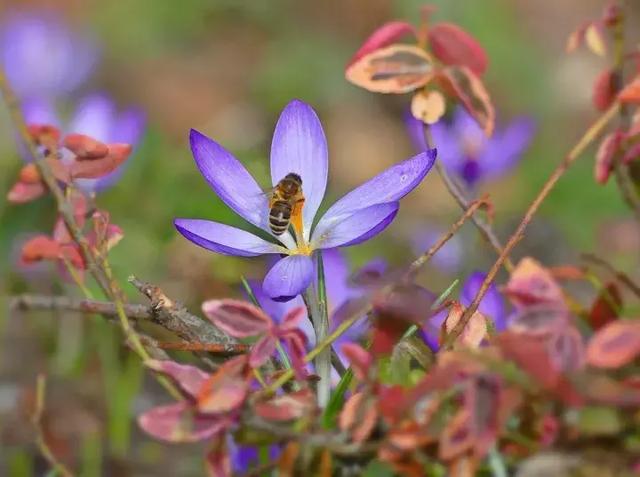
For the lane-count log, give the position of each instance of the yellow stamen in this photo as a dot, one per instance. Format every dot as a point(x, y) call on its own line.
point(296, 222)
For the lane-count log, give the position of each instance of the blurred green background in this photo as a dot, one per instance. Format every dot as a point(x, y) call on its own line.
point(227, 68)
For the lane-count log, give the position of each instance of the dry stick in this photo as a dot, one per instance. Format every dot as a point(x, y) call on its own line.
point(621, 171)
point(587, 138)
point(456, 192)
point(65, 303)
point(367, 308)
point(620, 276)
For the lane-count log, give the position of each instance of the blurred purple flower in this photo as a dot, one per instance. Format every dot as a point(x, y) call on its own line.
point(298, 146)
point(449, 258)
point(95, 116)
point(243, 457)
point(492, 307)
point(42, 57)
point(467, 152)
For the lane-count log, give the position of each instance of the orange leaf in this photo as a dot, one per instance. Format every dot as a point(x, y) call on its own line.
point(383, 36)
point(358, 417)
point(607, 150)
point(23, 192)
point(615, 345)
point(85, 147)
point(475, 330)
point(30, 174)
point(631, 92)
point(95, 168)
point(594, 39)
point(428, 106)
point(40, 248)
point(457, 437)
point(531, 283)
point(454, 46)
point(394, 69)
point(465, 85)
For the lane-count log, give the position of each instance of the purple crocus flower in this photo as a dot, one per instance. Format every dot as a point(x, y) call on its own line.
point(492, 307)
point(96, 116)
point(467, 152)
point(42, 57)
point(299, 146)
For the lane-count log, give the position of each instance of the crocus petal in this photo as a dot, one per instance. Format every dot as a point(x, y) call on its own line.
point(230, 180)
point(505, 149)
point(42, 57)
point(288, 277)
point(128, 128)
point(443, 139)
point(388, 186)
point(40, 111)
point(299, 145)
point(449, 258)
point(278, 309)
point(491, 306)
point(224, 239)
point(94, 117)
point(355, 228)
point(467, 129)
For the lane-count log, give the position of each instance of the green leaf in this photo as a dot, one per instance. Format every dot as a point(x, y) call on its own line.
point(330, 416)
point(599, 421)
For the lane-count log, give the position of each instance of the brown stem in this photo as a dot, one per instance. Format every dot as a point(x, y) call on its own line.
point(620, 276)
point(588, 137)
point(425, 257)
point(620, 170)
point(220, 349)
point(458, 194)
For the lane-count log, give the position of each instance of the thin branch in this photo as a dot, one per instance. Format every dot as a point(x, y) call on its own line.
point(425, 257)
point(458, 194)
point(36, 419)
point(621, 171)
point(620, 276)
point(65, 303)
point(587, 138)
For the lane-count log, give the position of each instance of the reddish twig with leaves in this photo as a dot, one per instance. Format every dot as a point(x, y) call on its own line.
point(591, 134)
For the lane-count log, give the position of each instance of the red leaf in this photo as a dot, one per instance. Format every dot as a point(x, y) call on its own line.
point(226, 389)
point(189, 378)
point(394, 69)
point(359, 359)
point(532, 356)
point(262, 350)
point(531, 283)
point(292, 319)
point(609, 147)
point(44, 134)
point(30, 174)
point(95, 168)
point(632, 153)
point(615, 345)
point(237, 318)
point(218, 460)
point(457, 436)
point(566, 349)
point(539, 319)
point(454, 46)
point(604, 90)
point(40, 248)
point(383, 36)
point(631, 92)
point(23, 192)
point(286, 407)
point(296, 343)
point(85, 147)
point(178, 423)
point(358, 417)
point(606, 307)
point(475, 330)
point(465, 85)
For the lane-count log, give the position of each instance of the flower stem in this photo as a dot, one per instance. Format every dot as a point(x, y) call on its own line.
point(317, 308)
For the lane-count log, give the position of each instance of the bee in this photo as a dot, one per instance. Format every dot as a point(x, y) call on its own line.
point(286, 200)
